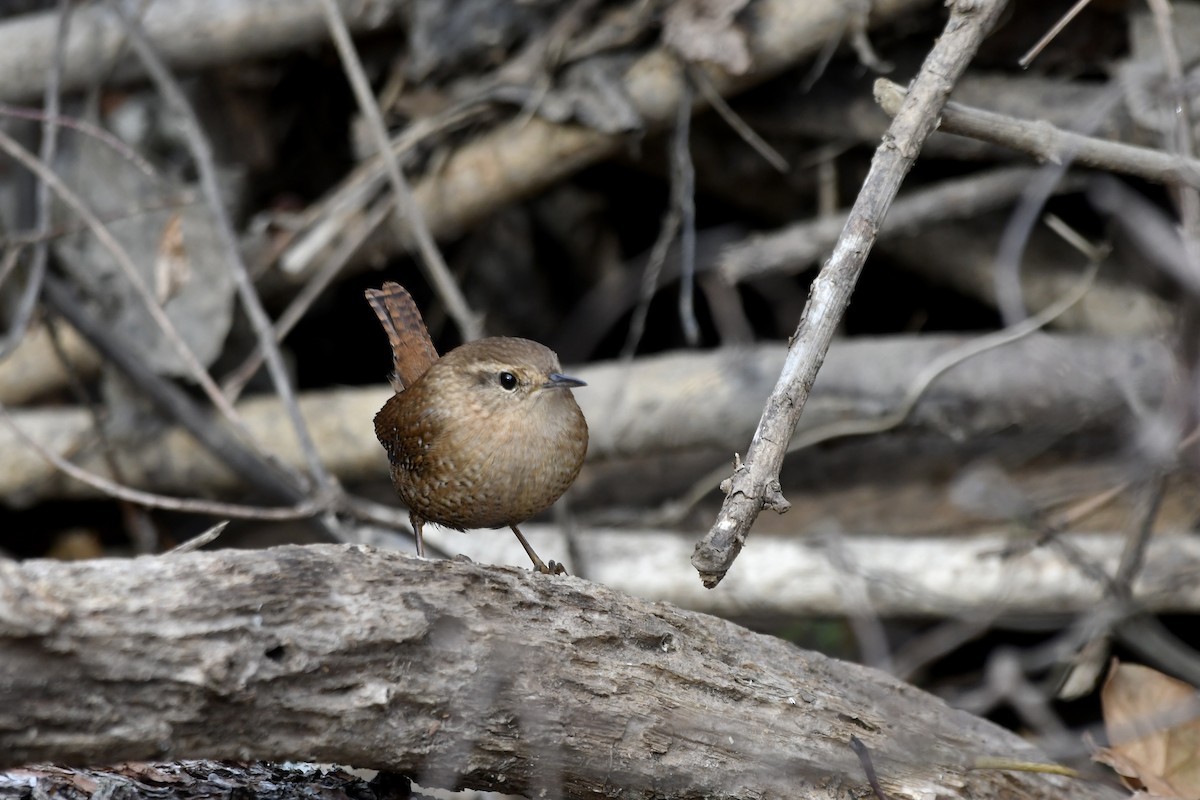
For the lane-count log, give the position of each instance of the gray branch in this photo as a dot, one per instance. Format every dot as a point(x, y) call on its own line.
point(754, 484)
point(1040, 386)
point(188, 34)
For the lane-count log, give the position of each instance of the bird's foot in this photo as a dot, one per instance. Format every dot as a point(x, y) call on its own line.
point(538, 565)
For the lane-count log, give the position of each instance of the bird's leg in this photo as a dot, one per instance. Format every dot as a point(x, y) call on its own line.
point(417, 525)
point(539, 565)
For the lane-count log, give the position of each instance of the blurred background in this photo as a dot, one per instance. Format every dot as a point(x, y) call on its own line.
point(993, 484)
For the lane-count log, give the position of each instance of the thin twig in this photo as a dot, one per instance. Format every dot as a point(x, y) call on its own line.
point(141, 529)
point(681, 211)
point(9, 264)
point(174, 402)
point(1147, 227)
point(303, 509)
point(196, 542)
point(941, 365)
point(912, 395)
point(734, 120)
point(755, 485)
point(859, 17)
point(821, 62)
point(435, 266)
point(210, 186)
point(1122, 615)
point(1080, 511)
point(864, 759)
point(25, 238)
point(1142, 631)
point(319, 223)
point(541, 152)
point(1145, 635)
point(1045, 142)
point(683, 195)
point(12, 257)
point(1013, 765)
point(1135, 627)
point(1182, 148)
point(27, 302)
point(928, 646)
point(195, 369)
point(860, 613)
point(351, 241)
point(1134, 555)
point(654, 265)
point(1055, 30)
point(1018, 228)
point(1062, 149)
point(87, 129)
point(798, 246)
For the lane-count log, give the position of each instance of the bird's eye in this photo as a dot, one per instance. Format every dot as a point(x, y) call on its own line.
point(508, 381)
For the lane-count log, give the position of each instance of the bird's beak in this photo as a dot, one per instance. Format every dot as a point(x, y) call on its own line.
point(557, 381)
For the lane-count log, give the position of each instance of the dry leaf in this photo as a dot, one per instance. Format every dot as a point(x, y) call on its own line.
point(175, 252)
point(1153, 725)
point(171, 268)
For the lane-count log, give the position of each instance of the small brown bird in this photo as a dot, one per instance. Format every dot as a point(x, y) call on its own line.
point(486, 436)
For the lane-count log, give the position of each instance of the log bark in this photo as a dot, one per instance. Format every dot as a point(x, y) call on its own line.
point(203, 780)
point(459, 676)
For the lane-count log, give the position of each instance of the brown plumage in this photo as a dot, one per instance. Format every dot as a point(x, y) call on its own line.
point(487, 436)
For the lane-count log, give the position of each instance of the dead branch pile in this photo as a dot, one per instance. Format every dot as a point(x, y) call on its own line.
point(898, 268)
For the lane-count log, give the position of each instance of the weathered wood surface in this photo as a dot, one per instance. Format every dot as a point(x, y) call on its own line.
point(458, 675)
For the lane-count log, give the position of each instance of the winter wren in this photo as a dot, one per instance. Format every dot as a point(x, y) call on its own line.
point(486, 436)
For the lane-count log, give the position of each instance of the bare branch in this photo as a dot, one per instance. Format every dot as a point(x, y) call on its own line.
point(797, 247)
point(210, 187)
point(524, 156)
point(121, 257)
point(978, 574)
point(755, 484)
point(1048, 143)
point(149, 499)
point(679, 402)
point(189, 33)
point(469, 323)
